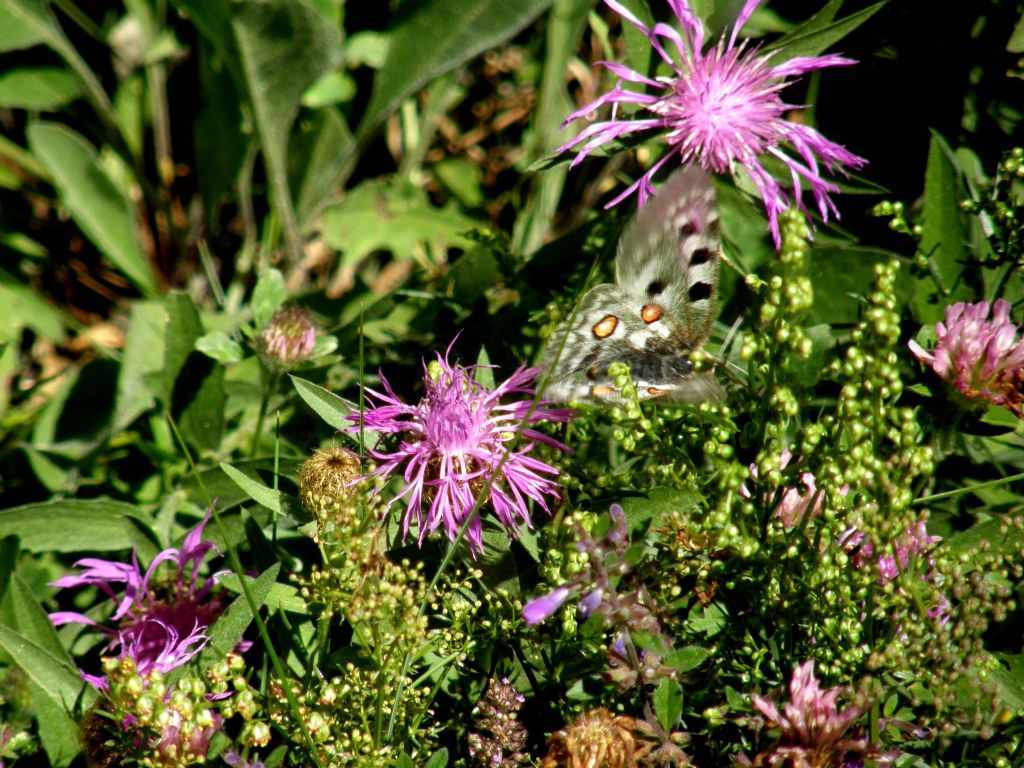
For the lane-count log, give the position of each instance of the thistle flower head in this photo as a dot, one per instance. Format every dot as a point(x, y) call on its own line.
point(720, 108)
point(813, 728)
point(289, 337)
point(982, 360)
point(460, 440)
point(158, 626)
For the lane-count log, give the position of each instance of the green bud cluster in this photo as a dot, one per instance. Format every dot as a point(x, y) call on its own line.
point(154, 722)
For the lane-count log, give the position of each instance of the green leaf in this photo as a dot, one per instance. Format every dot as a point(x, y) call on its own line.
point(267, 297)
point(227, 631)
point(284, 45)
point(1016, 42)
point(942, 238)
point(141, 363)
point(394, 218)
point(281, 597)
point(198, 401)
point(29, 637)
point(25, 308)
point(813, 40)
point(73, 525)
point(437, 760)
point(317, 162)
point(844, 272)
point(993, 534)
point(687, 658)
point(668, 703)
point(276, 501)
point(38, 88)
point(100, 208)
point(22, 25)
point(181, 330)
point(434, 38)
point(658, 501)
point(328, 406)
point(220, 347)
point(1009, 676)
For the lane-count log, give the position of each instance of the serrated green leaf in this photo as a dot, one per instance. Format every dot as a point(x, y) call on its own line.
point(38, 88)
point(100, 208)
point(393, 218)
point(220, 347)
point(658, 501)
point(434, 38)
point(73, 525)
point(668, 703)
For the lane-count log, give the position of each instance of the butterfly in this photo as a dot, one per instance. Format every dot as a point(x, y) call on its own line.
point(659, 310)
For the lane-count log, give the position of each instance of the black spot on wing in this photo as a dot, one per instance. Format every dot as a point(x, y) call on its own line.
point(655, 287)
point(699, 291)
point(687, 228)
point(700, 256)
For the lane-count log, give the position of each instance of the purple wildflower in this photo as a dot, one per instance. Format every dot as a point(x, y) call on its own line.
point(795, 503)
point(721, 108)
point(813, 728)
point(158, 631)
point(982, 360)
point(457, 439)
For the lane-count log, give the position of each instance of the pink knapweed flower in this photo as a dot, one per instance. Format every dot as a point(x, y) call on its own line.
point(458, 438)
point(982, 360)
point(813, 728)
point(721, 108)
point(159, 625)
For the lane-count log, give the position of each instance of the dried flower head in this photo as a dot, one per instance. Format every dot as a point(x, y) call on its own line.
point(328, 475)
point(289, 337)
point(597, 739)
point(720, 108)
point(813, 728)
point(460, 440)
point(160, 626)
point(982, 360)
point(498, 738)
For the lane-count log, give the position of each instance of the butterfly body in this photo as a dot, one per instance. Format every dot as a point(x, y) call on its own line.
point(658, 311)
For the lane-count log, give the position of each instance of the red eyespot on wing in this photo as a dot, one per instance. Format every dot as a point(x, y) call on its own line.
point(602, 390)
point(605, 327)
point(651, 313)
point(655, 392)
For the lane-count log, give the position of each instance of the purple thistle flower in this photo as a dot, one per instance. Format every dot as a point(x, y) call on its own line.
point(722, 108)
point(813, 728)
point(158, 631)
point(457, 439)
point(982, 360)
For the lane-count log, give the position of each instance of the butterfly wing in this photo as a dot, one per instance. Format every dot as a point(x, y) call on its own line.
point(659, 310)
point(606, 329)
point(668, 258)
